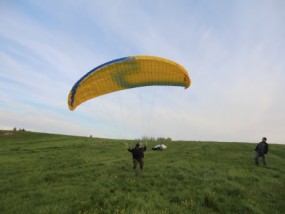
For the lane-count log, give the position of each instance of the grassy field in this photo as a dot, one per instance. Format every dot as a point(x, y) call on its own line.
point(45, 173)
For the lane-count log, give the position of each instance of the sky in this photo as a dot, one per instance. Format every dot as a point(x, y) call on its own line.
point(234, 52)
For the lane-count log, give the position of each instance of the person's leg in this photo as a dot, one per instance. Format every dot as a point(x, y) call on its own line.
point(135, 163)
point(256, 158)
point(141, 163)
point(264, 160)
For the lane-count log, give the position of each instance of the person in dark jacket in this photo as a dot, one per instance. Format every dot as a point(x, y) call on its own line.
point(138, 155)
point(261, 150)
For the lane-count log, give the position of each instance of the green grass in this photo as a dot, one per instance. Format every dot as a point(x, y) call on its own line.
point(45, 173)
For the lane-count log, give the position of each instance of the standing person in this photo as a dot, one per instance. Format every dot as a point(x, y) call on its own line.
point(138, 155)
point(261, 150)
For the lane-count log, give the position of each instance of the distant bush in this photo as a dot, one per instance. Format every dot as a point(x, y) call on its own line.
point(146, 138)
point(159, 139)
point(163, 139)
point(21, 130)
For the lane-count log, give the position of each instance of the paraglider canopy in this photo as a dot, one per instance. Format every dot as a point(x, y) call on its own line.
point(126, 73)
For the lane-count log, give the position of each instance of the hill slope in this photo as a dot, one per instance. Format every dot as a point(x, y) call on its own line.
point(45, 173)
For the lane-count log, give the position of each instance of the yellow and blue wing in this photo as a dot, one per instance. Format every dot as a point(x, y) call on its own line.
point(125, 73)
